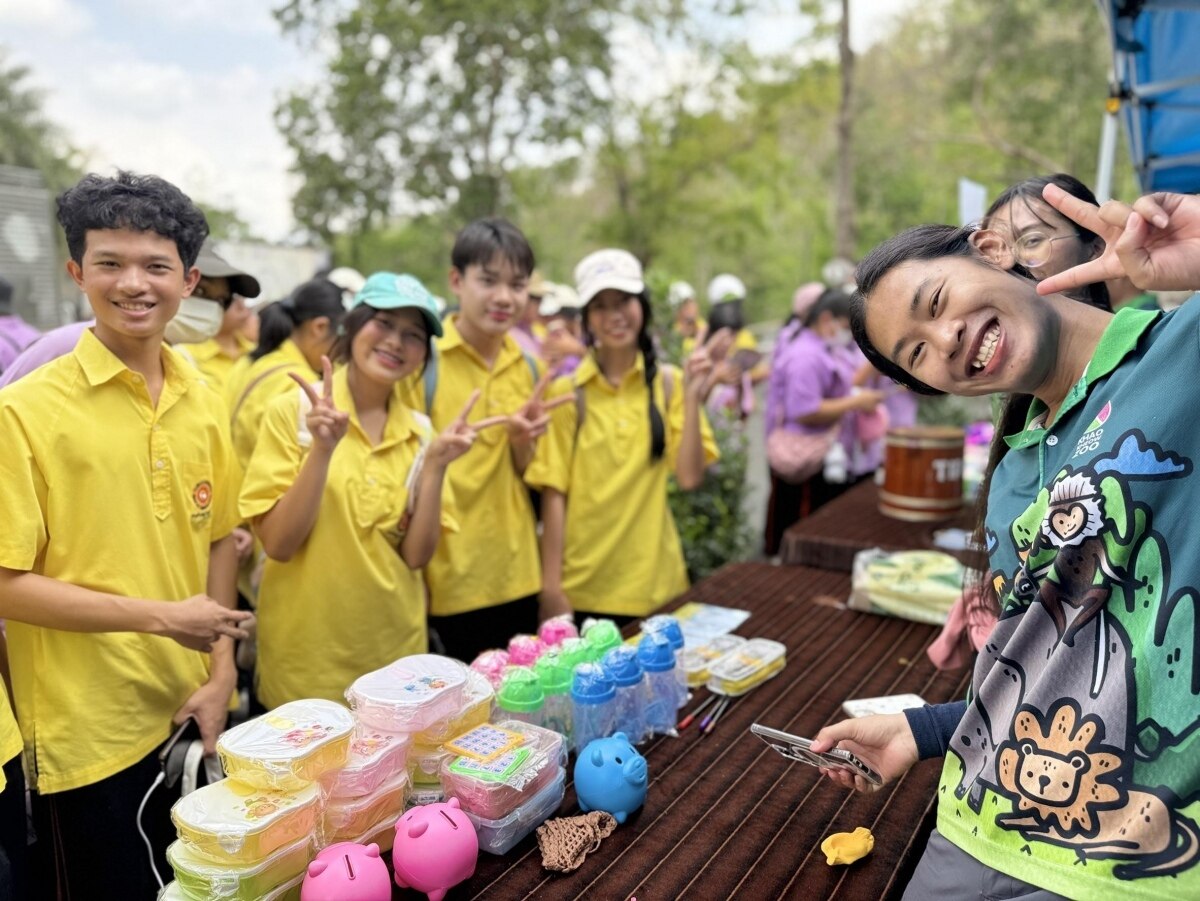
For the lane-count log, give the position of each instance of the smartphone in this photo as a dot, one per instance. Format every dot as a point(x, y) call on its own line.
point(888, 704)
point(170, 755)
point(794, 747)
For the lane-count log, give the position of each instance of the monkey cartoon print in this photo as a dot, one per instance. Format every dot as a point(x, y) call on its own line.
point(1077, 763)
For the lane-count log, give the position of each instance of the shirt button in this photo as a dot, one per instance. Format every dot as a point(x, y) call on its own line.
point(1052, 440)
point(157, 426)
point(159, 464)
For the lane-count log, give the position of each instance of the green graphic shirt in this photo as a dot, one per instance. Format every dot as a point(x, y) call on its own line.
point(1077, 764)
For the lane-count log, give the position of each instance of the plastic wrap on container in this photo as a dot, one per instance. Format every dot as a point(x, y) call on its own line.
point(524, 650)
point(695, 661)
point(478, 698)
point(425, 794)
point(200, 877)
point(382, 833)
point(375, 757)
point(494, 788)
point(172, 892)
point(291, 746)
point(425, 766)
point(410, 695)
point(289, 891)
point(500, 835)
point(557, 629)
point(346, 820)
point(747, 667)
point(491, 664)
point(237, 823)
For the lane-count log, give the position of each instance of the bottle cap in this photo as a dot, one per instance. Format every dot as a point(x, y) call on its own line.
point(654, 653)
point(601, 635)
point(621, 665)
point(574, 651)
point(524, 650)
point(666, 625)
point(591, 685)
point(556, 629)
point(553, 671)
point(520, 691)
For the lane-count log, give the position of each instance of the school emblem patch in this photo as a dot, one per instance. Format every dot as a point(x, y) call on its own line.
point(202, 495)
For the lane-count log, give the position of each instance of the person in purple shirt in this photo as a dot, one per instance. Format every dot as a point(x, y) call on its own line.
point(15, 333)
point(814, 393)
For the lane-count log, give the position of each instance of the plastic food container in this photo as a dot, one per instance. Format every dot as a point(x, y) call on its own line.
point(199, 877)
point(382, 833)
point(425, 766)
point(375, 757)
point(498, 836)
point(753, 663)
point(344, 821)
point(410, 695)
point(695, 661)
point(291, 746)
point(289, 891)
point(236, 823)
point(495, 788)
point(172, 892)
point(478, 697)
point(424, 794)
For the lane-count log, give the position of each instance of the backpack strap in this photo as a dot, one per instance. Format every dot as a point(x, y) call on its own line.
point(254, 384)
point(430, 378)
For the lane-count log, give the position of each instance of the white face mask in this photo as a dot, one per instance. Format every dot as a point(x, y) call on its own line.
point(197, 320)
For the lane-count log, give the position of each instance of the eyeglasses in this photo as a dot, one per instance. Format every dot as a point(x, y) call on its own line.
point(407, 334)
point(1033, 249)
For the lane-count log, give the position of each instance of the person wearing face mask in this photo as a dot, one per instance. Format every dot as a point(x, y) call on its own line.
point(818, 399)
point(211, 334)
point(198, 319)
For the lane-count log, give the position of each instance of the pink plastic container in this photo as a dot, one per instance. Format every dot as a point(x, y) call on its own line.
point(409, 695)
point(496, 788)
point(375, 758)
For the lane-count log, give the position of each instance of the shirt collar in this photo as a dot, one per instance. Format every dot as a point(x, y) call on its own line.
point(1120, 338)
point(452, 339)
point(589, 368)
point(400, 423)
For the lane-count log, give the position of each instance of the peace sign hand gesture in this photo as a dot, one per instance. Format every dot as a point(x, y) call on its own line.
point(532, 420)
point(700, 370)
point(326, 423)
point(456, 439)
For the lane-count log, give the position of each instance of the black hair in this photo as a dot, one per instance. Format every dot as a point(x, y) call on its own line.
point(726, 314)
point(658, 431)
point(6, 293)
point(141, 203)
point(315, 298)
point(1028, 192)
point(354, 322)
point(833, 301)
point(480, 241)
point(928, 242)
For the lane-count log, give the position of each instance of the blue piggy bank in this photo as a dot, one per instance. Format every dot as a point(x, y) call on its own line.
point(610, 775)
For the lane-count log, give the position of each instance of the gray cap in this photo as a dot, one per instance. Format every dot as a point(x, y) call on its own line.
point(212, 265)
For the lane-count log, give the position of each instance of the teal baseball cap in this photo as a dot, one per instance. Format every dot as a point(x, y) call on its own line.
point(388, 291)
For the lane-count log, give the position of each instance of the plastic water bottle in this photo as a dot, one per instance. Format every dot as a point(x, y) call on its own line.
point(520, 696)
point(621, 665)
point(601, 636)
point(658, 661)
point(556, 677)
point(557, 629)
point(593, 704)
point(668, 627)
point(524, 650)
point(835, 463)
point(574, 651)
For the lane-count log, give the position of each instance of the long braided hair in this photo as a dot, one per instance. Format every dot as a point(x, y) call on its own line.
point(645, 343)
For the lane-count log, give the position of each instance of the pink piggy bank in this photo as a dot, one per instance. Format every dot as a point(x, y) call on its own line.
point(436, 848)
point(347, 872)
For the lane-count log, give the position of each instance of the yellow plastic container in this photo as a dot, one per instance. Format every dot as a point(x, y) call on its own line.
point(758, 660)
point(235, 823)
point(382, 834)
point(293, 745)
point(289, 891)
point(695, 662)
point(345, 821)
point(200, 877)
point(478, 700)
point(425, 765)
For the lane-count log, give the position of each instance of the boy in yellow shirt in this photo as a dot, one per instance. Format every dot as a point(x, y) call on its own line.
point(484, 580)
point(118, 503)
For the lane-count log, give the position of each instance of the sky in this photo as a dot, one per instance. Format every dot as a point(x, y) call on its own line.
point(187, 89)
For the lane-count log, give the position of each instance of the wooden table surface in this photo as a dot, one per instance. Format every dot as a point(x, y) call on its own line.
point(727, 817)
point(831, 536)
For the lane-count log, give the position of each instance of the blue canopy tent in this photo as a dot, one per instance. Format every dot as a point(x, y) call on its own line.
point(1155, 91)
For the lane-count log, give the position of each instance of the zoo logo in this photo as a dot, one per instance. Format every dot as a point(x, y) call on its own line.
point(1090, 441)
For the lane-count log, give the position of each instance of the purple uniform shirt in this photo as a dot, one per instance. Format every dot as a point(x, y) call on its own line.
point(15, 335)
point(54, 344)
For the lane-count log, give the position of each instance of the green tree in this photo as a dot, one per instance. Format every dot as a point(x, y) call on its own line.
point(434, 103)
point(27, 138)
point(227, 224)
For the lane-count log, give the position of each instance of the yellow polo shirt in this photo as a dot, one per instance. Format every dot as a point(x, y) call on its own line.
point(621, 550)
point(212, 361)
point(250, 391)
point(493, 558)
point(105, 491)
point(346, 603)
point(10, 735)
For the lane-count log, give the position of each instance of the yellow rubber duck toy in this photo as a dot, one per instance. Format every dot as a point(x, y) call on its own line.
point(847, 847)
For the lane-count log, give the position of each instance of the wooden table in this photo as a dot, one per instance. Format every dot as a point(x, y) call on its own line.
point(831, 536)
point(727, 817)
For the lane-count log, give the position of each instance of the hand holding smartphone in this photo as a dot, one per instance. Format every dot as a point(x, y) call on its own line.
point(797, 748)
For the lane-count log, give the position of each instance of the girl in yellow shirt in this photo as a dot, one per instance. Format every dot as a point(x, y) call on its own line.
point(344, 490)
point(609, 543)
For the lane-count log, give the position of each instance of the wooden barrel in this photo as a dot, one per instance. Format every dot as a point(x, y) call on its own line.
point(923, 472)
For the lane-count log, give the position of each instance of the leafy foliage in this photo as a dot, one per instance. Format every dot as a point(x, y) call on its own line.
point(26, 138)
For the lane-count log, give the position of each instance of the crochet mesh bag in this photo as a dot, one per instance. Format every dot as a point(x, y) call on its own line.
point(566, 841)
